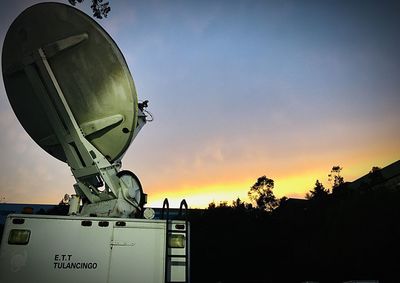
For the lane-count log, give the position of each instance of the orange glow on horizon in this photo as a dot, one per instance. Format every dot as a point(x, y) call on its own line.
point(201, 196)
point(292, 186)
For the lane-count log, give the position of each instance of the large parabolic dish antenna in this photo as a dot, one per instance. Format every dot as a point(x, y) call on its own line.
point(90, 70)
point(72, 91)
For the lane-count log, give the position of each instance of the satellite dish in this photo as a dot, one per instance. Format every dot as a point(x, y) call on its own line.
point(91, 72)
point(72, 91)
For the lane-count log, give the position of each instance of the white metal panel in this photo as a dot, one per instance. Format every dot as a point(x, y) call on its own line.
point(58, 245)
point(59, 250)
point(138, 253)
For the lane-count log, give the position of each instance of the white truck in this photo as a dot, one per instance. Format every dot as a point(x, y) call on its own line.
point(61, 249)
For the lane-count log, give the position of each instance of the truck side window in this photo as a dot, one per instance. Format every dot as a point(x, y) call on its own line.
point(19, 237)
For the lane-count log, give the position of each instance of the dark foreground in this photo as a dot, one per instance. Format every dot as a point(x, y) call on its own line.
point(347, 236)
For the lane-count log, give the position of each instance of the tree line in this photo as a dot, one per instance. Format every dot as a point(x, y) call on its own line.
point(334, 235)
point(262, 196)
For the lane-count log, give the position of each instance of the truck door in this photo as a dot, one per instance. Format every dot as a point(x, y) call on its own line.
point(137, 252)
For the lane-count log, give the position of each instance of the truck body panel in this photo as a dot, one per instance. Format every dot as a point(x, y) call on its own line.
point(91, 249)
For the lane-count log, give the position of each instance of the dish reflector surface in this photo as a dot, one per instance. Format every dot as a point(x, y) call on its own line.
point(92, 74)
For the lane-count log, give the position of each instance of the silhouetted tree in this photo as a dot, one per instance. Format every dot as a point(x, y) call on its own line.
point(261, 193)
point(318, 192)
point(99, 8)
point(375, 175)
point(211, 205)
point(283, 199)
point(375, 169)
point(223, 204)
point(238, 204)
point(335, 177)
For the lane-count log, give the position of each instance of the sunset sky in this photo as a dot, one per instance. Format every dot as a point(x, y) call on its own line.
point(238, 89)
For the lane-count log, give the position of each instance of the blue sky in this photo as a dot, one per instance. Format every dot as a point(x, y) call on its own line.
point(238, 89)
